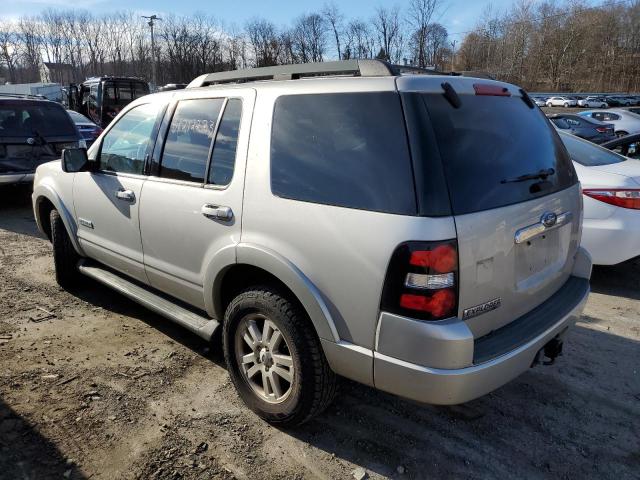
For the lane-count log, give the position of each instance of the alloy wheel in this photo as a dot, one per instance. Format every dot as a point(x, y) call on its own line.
point(264, 358)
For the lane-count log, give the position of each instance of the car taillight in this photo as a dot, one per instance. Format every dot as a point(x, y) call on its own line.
point(625, 198)
point(421, 280)
point(601, 129)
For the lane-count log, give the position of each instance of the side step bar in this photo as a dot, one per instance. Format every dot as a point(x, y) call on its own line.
point(201, 326)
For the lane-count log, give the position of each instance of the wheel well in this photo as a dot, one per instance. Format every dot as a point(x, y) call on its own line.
point(44, 211)
point(242, 276)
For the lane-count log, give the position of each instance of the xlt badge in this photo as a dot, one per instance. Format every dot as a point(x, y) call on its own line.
point(482, 308)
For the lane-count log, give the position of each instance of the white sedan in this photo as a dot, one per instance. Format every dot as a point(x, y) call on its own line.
point(593, 102)
point(562, 102)
point(611, 188)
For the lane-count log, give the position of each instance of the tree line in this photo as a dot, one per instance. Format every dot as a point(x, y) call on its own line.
point(540, 45)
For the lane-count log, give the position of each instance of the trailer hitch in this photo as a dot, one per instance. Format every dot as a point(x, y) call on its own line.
point(552, 350)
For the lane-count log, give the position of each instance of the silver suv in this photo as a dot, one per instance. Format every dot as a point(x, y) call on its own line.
point(413, 232)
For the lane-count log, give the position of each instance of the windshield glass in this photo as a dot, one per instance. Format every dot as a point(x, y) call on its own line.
point(490, 142)
point(26, 119)
point(589, 154)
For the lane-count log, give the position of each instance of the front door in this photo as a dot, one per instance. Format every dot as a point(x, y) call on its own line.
point(191, 206)
point(107, 200)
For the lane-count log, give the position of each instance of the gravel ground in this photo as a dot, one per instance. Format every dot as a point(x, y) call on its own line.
point(94, 386)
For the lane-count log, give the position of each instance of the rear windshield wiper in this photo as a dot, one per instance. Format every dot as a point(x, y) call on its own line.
point(541, 175)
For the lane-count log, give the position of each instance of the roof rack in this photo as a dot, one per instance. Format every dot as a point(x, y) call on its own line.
point(23, 95)
point(353, 68)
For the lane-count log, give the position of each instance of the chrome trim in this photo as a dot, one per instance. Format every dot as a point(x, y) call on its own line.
point(527, 233)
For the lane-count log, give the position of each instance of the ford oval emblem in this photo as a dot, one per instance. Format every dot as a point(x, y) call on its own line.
point(549, 219)
point(31, 141)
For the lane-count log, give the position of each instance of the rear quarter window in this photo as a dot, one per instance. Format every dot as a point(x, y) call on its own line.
point(346, 149)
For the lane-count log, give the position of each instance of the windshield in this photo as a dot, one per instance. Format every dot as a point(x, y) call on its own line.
point(490, 142)
point(78, 117)
point(589, 154)
point(26, 119)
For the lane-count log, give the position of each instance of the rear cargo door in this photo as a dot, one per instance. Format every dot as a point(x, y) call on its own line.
point(515, 199)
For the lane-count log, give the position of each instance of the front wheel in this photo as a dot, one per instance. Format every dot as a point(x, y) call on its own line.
point(65, 257)
point(566, 105)
point(275, 359)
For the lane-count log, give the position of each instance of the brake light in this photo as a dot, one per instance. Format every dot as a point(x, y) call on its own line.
point(624, 198)
point(491, 90)
point(421, 280)
point(601, 129)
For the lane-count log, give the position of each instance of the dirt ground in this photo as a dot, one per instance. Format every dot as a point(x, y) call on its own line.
point(94, 386)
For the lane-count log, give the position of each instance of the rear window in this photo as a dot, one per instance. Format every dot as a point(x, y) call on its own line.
point(345, 149)
point(26, 119)
point(589, 154)
point(490, 141)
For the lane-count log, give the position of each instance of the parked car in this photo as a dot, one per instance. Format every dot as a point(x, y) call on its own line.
point(584, 127)
point(624, 121)
point(88, 130)
point(540, 101)
point(635, 110)
point(616, 101)
point(593, 102)
point(611, 188)
point(562, 102)
point(628, 146)
point(416, 233)
point(32, 131)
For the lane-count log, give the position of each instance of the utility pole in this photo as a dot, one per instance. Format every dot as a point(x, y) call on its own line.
point(453, 54)
point(151, 23)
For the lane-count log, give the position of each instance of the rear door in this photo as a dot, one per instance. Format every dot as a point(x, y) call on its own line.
point(192, 203)
point(508, 176)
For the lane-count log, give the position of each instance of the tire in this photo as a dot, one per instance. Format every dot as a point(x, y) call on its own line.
point(566, 105)
point(313, 383)
point(621, 133)
point(604, 105)
point(65, 257)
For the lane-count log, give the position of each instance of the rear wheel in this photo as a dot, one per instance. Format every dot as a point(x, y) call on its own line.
point(566, 105)
point(621, 133)
point(65, 257)
point(275, 359)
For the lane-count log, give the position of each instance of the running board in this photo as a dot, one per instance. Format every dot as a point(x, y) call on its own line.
point(201, 326)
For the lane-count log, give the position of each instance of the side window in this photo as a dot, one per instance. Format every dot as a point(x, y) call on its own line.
point(124, 147)
point(598, 116)
point(612, 116)
point(346, 149)
point(224, 151)
point(560, 123)
point(573, 122)
point(186, 149)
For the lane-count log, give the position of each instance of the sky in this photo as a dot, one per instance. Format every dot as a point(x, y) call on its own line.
point(456, 15)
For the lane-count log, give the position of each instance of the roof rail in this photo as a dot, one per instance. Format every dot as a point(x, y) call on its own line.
point(356, 68)
point(36, 96)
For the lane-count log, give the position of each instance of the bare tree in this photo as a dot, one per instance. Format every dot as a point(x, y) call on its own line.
point(420, 16)
point(386, 23)
point(334, 19)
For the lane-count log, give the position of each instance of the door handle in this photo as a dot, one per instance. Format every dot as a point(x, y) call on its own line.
point(217, 212)
point(126, 195)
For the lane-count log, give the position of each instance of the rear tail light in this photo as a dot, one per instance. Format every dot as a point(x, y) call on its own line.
point(625, 198)
point(421, 280)
point(602, 129)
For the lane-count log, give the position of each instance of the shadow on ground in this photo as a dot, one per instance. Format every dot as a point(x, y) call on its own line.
point(621, 280)
point(16, 214)
point(26, 454)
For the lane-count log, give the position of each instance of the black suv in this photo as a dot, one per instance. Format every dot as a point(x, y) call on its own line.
point(32, 131)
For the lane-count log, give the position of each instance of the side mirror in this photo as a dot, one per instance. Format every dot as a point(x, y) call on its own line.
point(74, 160)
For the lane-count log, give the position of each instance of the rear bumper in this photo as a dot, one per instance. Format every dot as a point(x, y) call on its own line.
point(13, 178)
point(492, 360)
